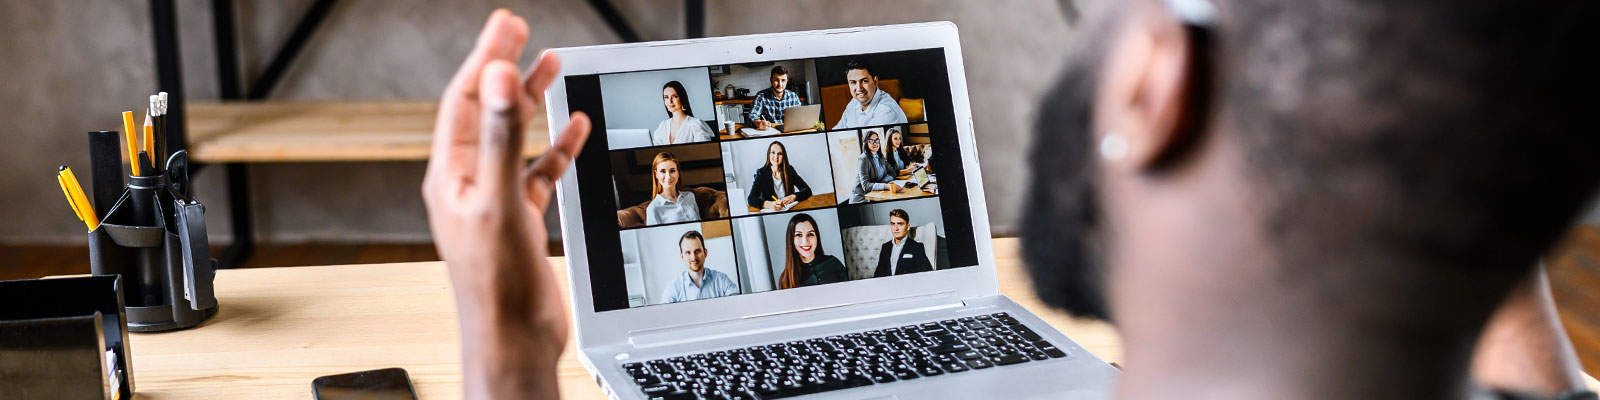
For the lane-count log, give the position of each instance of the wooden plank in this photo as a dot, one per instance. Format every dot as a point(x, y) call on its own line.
point(308, 132)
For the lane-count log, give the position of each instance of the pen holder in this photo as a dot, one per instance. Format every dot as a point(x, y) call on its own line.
point(156, 242)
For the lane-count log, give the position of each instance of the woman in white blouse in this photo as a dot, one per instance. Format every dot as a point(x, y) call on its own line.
point(681, 126)
point(668, 203)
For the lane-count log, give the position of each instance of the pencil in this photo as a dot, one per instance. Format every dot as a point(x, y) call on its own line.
point(150, 140)
point(69, 185)
point(133, 142)
point(159, 155)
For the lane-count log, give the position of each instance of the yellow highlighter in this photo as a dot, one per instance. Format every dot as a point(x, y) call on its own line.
point(77, 199)
point(133, 142)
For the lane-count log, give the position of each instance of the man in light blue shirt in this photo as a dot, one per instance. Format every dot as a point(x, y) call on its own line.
point(869, 105)
point(697, 282)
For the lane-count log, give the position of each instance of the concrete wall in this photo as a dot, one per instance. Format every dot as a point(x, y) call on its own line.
point(72, 66)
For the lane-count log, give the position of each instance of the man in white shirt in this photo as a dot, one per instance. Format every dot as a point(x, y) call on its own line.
point(869, 105)
point(697, 282)
point(901, 255)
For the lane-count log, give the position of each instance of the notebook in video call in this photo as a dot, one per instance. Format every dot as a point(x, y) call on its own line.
point(849, 258)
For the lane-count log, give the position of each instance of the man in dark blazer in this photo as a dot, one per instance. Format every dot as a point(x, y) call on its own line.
point(901, 255)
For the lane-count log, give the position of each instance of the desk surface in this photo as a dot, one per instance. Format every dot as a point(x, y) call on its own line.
point(279, 328)
point(818, 200)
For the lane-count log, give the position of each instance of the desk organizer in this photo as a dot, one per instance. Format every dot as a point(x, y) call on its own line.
point(64, 338)
point(154, 237)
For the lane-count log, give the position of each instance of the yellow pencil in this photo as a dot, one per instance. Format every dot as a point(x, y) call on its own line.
point(150, 141)
point(133, 142)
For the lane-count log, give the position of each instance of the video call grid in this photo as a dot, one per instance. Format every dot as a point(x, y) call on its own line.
point(726, 167)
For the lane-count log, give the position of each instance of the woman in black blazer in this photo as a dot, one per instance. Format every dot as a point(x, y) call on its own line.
point(765, 193)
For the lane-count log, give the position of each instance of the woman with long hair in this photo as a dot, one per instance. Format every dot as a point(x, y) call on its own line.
point(872, 171)
point(680, 126)
point(777, 185)
point(896, 156)
point(805, 263)
point(668, 202)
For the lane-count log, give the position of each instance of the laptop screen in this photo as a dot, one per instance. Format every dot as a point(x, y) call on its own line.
point(693, 186)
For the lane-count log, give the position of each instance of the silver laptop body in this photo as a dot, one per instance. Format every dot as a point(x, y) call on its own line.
point(801, 118)
point(618, 329)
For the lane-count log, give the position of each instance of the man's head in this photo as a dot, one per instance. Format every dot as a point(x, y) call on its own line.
point(692, 249)
point(899, 223)
point(863, 84)
point(1349, 151)
point(779, 80)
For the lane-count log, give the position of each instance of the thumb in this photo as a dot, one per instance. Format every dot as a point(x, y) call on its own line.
point(500, 143)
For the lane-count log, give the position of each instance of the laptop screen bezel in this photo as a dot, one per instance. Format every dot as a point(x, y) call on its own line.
point(616, 326)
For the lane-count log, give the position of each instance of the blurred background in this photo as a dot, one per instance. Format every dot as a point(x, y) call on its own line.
point(73, 66)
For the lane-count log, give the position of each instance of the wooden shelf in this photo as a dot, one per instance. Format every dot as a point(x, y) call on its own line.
point(260, 132)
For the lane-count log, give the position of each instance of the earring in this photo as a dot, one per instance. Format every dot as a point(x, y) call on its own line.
point(1113, 147)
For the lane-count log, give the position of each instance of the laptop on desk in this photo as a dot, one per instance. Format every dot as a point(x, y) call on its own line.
point(801, 118)
point(817, 303)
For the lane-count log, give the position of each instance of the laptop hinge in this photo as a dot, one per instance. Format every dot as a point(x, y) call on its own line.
point(792, 319)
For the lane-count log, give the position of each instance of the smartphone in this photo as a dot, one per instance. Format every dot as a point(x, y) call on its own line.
point(378, 384)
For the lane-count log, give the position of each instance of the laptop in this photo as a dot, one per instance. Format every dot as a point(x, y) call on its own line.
point(801, 118)
point(814, 302)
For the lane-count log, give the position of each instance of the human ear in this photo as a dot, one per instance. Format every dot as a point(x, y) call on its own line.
point(1149, 102)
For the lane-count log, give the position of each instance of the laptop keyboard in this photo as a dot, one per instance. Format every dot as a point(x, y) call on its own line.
point(803, 367)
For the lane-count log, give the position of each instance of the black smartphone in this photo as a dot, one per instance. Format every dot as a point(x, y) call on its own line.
point(378, 384)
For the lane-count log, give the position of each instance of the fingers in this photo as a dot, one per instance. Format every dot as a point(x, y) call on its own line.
point(501, 132)
point(542, 174)
point(502, 38)
point(454, 139)
point(545, 70)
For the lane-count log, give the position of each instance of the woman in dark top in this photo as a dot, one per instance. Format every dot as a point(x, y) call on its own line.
point(806, 264)
point(777, 184)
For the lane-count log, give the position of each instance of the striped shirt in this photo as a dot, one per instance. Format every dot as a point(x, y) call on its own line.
point(766, 108)
point(714, 284)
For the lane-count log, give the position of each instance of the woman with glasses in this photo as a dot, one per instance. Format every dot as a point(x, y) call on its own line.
point(872, 170)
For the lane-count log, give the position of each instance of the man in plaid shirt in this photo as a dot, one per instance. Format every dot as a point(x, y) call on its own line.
point(768, 107)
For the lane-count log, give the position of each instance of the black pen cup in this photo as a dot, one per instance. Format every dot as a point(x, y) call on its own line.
point(137, 241)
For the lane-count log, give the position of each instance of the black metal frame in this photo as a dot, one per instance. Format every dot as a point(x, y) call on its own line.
point(164, 22)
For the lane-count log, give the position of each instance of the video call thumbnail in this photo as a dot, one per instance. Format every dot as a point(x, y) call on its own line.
point(681, 262)
point(747, 178)
point(779, 174)
point(664, 185)
point(883, 163)
point(766, 99)
point(694, 261)
point(657, 108)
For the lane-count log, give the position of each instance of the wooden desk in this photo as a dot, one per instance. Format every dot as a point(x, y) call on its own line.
point(279, 328)
point(815, 201)
point(736, 135)
point(886, 195)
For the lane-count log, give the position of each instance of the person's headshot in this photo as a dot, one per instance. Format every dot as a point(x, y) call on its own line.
point(777, 185)
point(767, 108)
point(805, 261)
point(697, 282)
point(901, 254)
point(868, 105)
point(668, 202)
point(873, 173)
point(681, 126)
